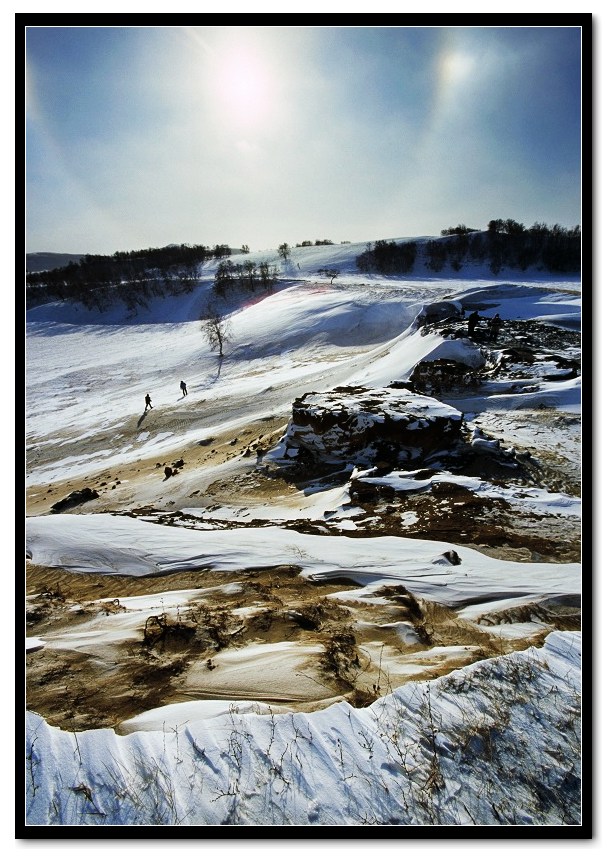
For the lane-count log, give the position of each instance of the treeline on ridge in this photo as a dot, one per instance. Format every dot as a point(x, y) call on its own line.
point(133, 277)
point(248, 275)
point(505, 243)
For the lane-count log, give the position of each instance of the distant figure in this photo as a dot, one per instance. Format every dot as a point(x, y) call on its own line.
point(184, 388)
point(494, 326)
point(148, 402)
point(472, 322)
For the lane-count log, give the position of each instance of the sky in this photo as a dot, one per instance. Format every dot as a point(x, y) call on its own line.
point(149, 135)
point(342, 764)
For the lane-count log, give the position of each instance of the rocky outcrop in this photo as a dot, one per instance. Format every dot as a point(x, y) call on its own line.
point(369, 427)
point(434, 377)
point(77, 497)
point(443, 310)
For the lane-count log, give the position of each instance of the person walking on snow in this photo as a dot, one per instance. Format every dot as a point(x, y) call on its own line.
point(148, 402)
point(494, 326)
point(472, 322)
point(184, 388)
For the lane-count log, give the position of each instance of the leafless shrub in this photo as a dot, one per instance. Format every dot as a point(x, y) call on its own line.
point(159, 630)
point(340, 657)
point(216, 628)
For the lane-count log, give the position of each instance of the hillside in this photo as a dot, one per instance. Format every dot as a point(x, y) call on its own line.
point(337, 583)
point(135, 277)
point(35, 261)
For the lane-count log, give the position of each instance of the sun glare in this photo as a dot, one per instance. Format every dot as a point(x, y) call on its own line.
point(456, 67)
point(244, 86)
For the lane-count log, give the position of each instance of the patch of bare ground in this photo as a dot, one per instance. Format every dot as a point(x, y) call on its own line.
point(447, 512)
point(127, 484)
point(78, 588)
point(456, 515)
point(337, 649)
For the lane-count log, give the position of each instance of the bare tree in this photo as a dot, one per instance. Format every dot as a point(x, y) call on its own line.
point(329, 272)
point(250, 268)
point(215, 328)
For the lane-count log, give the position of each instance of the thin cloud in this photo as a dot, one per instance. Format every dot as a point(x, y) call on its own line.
point(264, 134)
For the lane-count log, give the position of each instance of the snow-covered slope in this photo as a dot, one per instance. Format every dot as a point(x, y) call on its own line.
point(474, 723)
point(432, 753)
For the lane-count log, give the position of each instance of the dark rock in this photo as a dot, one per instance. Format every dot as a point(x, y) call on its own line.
point(309, 622)
point(442, 310)
point(442, 375)
point(77, 497)
point(519, 354)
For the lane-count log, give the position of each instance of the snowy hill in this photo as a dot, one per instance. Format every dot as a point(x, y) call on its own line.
point(233, 636)
point(49, 260)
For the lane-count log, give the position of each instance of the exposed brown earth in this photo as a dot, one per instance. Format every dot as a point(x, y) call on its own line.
point(341, 649)
point(125, 486)
point(357, 651)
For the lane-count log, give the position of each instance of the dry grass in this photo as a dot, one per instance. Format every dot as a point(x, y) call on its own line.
point(98, 687)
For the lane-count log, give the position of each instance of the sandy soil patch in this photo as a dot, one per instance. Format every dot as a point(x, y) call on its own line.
point(139, 481)
point(268, 635)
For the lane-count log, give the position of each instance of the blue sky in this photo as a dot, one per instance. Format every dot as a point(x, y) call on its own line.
point(144, 136)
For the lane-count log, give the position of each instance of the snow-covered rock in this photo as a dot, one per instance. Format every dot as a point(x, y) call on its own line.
point(360, 426)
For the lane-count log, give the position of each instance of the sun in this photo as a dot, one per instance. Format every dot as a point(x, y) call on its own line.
point(239, 77)
point(244, 85)
point(456, 67)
